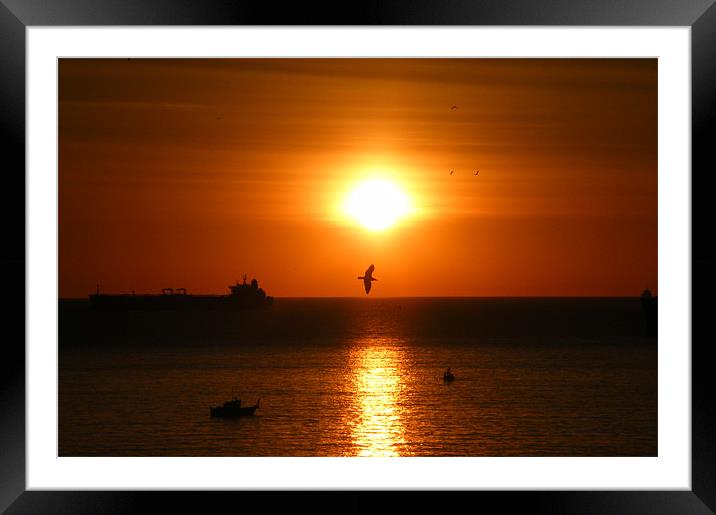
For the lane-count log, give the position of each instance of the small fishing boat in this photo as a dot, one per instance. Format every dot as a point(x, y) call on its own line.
point(233, 409)
point(448, 376)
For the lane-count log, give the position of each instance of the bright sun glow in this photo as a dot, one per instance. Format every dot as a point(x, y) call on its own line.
point(377, 204)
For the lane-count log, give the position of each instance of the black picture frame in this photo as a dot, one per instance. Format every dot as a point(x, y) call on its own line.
point(17, 15)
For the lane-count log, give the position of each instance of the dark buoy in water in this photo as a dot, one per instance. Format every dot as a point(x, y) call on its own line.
point(448, 375)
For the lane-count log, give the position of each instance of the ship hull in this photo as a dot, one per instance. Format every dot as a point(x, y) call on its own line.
point(222, 412)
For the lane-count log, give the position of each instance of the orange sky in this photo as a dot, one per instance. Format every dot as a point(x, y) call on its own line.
point(190, 173)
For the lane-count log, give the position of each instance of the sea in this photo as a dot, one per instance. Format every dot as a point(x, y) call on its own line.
point(361, 377)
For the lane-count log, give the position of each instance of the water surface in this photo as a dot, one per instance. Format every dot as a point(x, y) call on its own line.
point(362, 377)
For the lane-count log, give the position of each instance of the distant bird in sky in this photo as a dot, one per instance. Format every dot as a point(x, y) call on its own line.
point(477, 172)
point(453, 108)
point(450, 172)
point(367, 278)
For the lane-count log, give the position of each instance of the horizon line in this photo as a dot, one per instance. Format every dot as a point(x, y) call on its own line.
point(291, 297)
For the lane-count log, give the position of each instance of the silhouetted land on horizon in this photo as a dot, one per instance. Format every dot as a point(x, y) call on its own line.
point(459, 318)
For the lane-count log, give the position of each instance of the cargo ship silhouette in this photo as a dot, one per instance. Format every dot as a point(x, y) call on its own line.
point(243, 296)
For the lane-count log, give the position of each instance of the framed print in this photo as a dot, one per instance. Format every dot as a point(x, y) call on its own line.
point(459, 252)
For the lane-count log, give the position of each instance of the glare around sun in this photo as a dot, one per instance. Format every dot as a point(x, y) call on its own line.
point(376, 204)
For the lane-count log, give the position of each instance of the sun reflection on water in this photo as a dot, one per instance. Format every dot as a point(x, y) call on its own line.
point(377, 367)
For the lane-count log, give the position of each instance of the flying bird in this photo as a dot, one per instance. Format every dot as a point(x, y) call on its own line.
point(453, 108)
point(450, 172)
point(477, 172)
point(367, 278)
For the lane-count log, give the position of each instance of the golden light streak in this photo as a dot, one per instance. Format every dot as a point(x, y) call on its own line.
point(378, 430)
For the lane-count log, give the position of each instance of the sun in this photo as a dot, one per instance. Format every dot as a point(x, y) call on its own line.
point(377, 204)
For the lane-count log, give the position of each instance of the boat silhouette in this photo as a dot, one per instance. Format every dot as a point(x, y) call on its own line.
point(448, 376)
point(233, 409)
point(242, 296)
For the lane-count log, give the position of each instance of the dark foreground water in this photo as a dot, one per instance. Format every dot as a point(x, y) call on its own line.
point(362, 377)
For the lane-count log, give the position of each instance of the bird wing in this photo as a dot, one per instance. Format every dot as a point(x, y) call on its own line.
point(369, 272)
point(367, 284)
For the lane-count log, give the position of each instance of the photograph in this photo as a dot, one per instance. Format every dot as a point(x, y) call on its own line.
point(357, 257)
